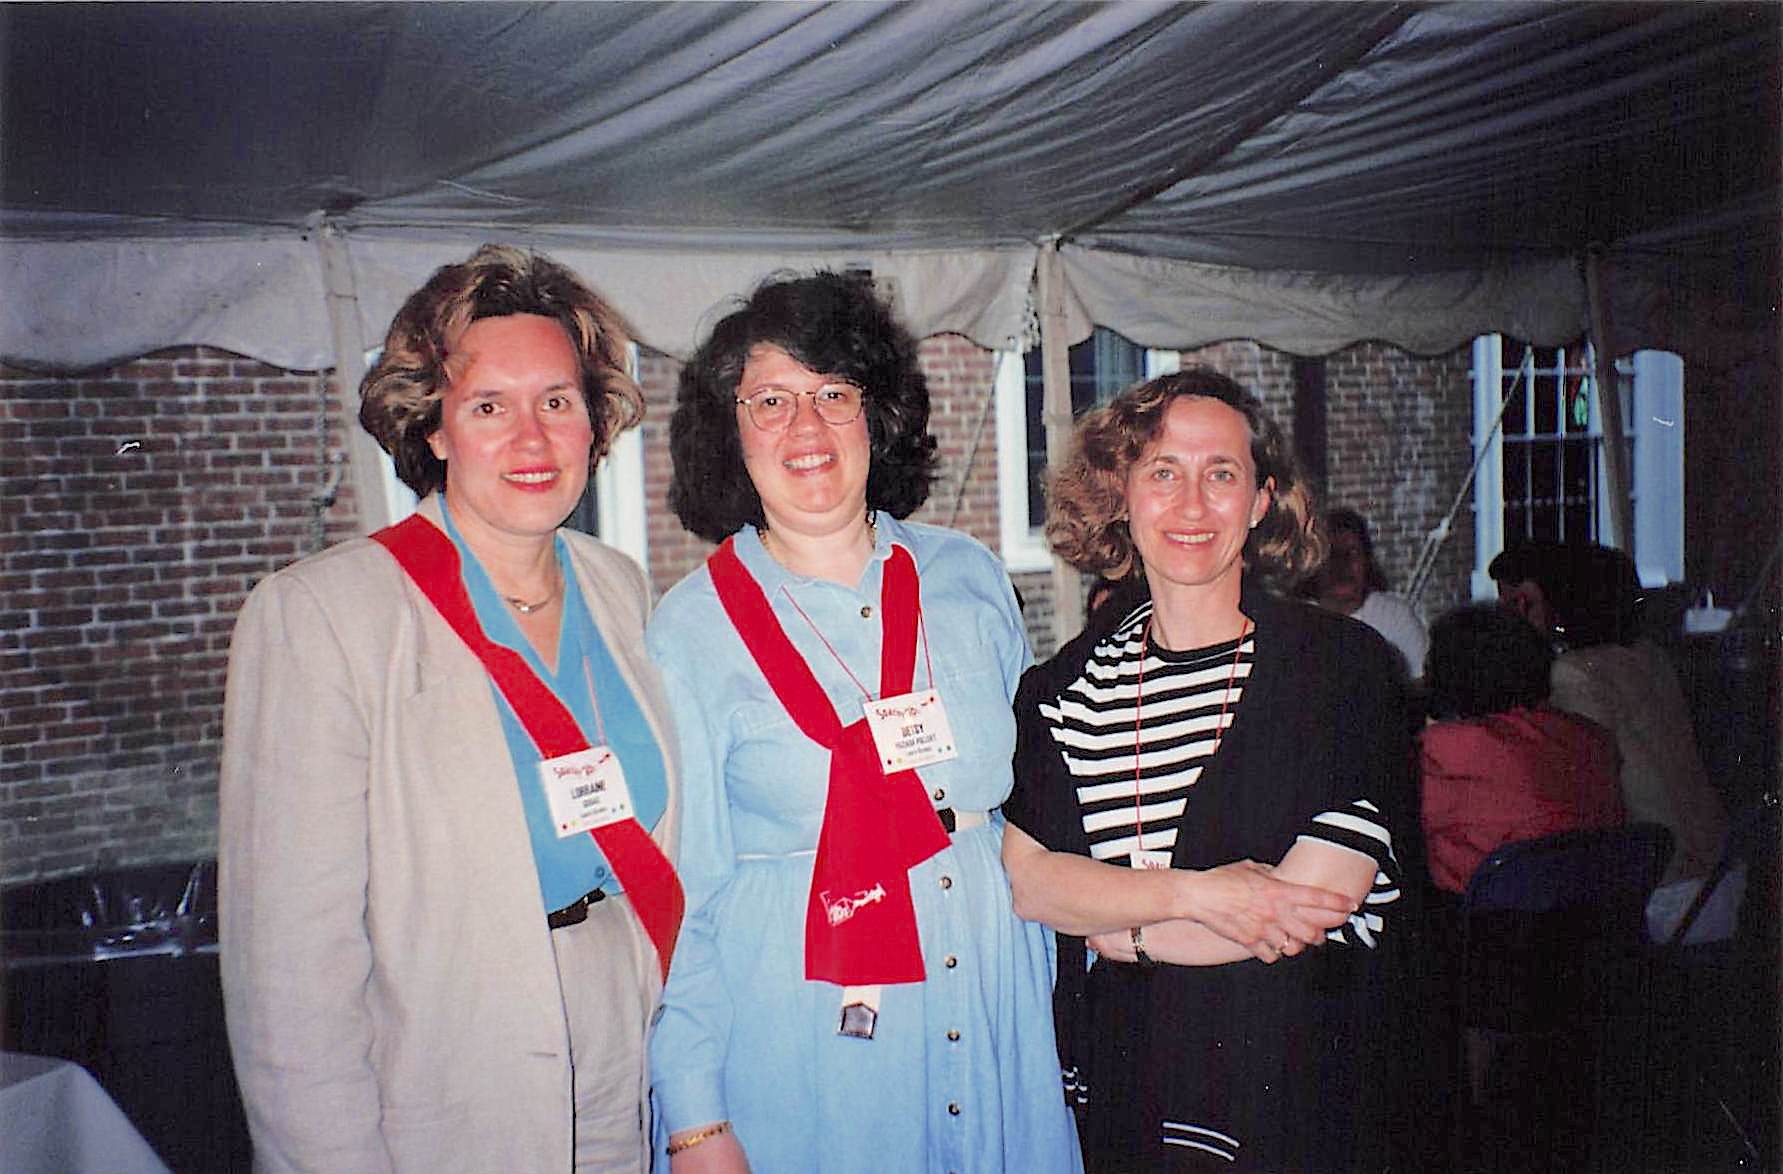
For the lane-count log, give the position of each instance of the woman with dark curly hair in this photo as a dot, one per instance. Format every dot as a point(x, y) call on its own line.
point(447, 771)
point(1207, 786)
point(854, 991)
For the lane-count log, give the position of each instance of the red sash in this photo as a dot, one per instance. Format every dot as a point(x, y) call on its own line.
point(860, 924)
point(646, 874)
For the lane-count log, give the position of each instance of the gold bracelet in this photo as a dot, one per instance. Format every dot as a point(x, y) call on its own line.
point(693, 1139)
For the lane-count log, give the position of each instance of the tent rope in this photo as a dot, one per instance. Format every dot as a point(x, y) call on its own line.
point(984, 415)
point(1439, 534)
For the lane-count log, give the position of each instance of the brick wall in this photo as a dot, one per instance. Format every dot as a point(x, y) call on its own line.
point(1398, 443)
point(673, 551)
point(143, 501)
point(1269, 374)
point(141, 504)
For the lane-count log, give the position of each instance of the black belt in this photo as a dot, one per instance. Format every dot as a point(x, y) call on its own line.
point(576, 912)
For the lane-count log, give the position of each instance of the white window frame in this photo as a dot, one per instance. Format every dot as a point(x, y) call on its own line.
point(1024, 547)
point(1652, 387)
point(624, 515)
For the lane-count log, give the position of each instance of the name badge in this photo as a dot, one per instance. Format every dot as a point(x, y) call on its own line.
point(1149, 858)
point(910, 730)
point(586, 790)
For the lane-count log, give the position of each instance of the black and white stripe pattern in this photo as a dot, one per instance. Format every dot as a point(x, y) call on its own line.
point(1358, 828)
point(1189, 700)
point(1092, 723)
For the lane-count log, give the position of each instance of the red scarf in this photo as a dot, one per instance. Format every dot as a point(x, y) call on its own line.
point(645, 873)
point(860, 924)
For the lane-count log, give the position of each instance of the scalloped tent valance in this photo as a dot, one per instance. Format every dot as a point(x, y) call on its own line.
point(1303, 174)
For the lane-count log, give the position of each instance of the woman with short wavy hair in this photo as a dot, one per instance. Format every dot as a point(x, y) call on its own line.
point(401, 395)
point(448, 784)
point(1211, 791)
point(1087, 502)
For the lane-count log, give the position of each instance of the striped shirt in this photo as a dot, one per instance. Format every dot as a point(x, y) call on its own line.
point(1136, 739)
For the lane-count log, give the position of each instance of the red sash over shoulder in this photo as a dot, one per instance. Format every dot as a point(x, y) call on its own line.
point(860, 923)
point(650, 883)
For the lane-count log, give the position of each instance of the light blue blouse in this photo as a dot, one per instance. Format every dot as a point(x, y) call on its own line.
point(962, 1074)
point(569, 866)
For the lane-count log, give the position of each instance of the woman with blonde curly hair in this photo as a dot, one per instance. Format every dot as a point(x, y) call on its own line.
point(1207, 786)
point(447, 768)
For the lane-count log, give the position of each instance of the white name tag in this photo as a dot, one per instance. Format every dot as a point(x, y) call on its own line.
point(1149, 858)
point(910, 730)
point(586, 790)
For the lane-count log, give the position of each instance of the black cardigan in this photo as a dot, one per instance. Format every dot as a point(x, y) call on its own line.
point(1322, 721)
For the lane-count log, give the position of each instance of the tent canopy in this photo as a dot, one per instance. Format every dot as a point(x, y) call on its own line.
point(1307, 175)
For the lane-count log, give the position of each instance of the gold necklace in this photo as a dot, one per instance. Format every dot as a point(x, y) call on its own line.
point(525, 608)
point(761, 532)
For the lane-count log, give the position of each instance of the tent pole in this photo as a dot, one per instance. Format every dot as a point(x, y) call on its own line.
point(1609, 402)
point(1055, 368)
point(363, 455)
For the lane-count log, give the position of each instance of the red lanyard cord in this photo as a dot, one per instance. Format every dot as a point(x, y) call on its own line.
point(921, 627)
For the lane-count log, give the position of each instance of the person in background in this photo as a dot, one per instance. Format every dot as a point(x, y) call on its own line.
point(1586, 598)
point(438, 953)
point(1351, 583)
point(1527, 575)
point(1498, 763)
point(854, 991)
point(1212, 803)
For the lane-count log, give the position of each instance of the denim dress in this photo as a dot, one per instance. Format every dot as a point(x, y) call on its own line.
point(961, 1073)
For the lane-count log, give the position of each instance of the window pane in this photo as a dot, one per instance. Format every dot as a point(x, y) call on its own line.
point(1578, 462)
point(1516, 476)
point(1100, 367)
point(1036, 439)
point(1547, 414)
point(1551, 448)
point(586, 517)
point(1515, 422)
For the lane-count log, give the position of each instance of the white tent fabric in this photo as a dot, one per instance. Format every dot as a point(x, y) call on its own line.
point(1164, 303)
point(1304, 174)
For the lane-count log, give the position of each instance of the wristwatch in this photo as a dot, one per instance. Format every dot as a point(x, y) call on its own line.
point(1139, 953)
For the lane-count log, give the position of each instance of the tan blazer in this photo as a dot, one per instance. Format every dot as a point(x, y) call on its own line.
point(391, 993)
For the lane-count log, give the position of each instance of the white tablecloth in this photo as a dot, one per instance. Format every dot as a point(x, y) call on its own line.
point(55, 1119)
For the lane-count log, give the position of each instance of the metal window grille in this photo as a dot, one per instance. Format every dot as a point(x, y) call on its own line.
point(1553, 443)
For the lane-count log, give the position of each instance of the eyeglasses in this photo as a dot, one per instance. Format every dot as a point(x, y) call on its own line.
point(772, 408)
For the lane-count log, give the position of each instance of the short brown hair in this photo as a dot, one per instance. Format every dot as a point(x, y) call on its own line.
point(399, 398)
point(1086, 508)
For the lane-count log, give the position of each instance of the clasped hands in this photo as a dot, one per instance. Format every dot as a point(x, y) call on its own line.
point(1245, 904)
